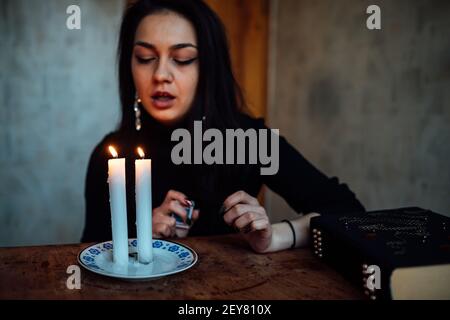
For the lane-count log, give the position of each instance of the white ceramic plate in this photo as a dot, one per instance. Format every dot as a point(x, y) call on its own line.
point(168, 258)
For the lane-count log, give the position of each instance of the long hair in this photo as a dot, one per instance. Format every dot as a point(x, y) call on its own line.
point(218, 96)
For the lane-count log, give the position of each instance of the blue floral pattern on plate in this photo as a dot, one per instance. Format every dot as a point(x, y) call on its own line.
point(157, 244)
point(95, 252)
point(169, 258)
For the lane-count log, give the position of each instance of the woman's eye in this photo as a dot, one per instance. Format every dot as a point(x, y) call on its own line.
point(184, 62)
point(144, 60)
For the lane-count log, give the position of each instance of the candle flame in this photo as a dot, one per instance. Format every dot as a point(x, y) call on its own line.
point(113, 152)
point(141, 152)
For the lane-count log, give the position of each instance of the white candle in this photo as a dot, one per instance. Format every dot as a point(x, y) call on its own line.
point(118, 205)
point(144, 208)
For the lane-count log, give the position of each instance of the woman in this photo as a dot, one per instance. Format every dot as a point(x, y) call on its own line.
point(174, 69)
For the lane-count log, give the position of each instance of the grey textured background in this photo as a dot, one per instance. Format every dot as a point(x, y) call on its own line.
point(58, 99)
point(371, 107)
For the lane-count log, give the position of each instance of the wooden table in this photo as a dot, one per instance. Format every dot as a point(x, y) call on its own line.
point(227, 269)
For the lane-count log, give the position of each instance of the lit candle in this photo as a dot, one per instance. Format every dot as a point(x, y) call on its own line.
point(118, 205)
point(144, 208)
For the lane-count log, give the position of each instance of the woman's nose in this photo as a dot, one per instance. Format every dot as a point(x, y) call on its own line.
point(162, 72)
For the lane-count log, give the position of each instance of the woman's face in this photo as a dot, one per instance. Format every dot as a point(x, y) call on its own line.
point(165, 66)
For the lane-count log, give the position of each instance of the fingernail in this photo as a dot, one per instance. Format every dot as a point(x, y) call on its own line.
point(223, 210)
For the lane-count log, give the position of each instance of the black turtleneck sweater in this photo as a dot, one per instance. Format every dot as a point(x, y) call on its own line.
point(304, 187)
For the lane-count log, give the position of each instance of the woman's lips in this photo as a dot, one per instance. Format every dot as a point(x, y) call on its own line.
point(162, 99)
point(163, 102)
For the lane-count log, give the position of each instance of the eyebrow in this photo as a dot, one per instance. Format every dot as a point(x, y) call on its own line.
point(174, 47)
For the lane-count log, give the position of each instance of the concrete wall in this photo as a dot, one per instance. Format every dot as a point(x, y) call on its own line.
point(371, 107)
point(58, 97)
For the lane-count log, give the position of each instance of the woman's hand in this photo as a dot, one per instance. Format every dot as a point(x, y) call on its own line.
point(164, 225)
point(245, 214)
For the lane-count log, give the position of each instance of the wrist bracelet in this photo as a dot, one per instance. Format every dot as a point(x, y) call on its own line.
point(293, 232)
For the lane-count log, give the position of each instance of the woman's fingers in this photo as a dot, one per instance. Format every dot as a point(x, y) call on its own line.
point(163, 219)
point(239, 197)
point(168, 209)
point(163, 230)
point(251, 221)
point(246, 219)
point(163, 225)
point(240, 209)
point(195, 215)
point(260, 224)
point(175, 202)
point(246, 215)
point(176, 195)
point(175, 207)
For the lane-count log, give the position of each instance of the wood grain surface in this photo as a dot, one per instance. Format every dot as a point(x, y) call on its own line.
point(227, 269)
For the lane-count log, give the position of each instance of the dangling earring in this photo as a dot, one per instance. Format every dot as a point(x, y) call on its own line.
point(137, 113)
